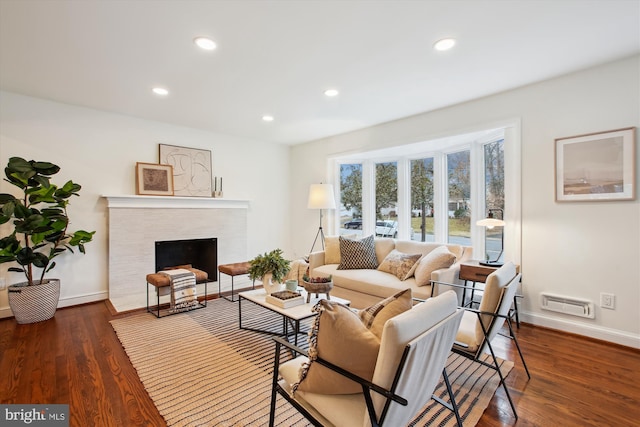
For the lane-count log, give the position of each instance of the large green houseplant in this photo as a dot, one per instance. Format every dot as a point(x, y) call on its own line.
point(37, 233)
point(271, 268)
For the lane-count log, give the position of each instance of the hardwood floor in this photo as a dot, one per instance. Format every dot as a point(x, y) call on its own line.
point(76, 358)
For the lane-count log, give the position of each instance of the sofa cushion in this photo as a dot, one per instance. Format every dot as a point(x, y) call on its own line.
point(357, 254)
point(438, 258)
point(399, 264)
point(332, 248)
point(375, 316)
point(370, 282)
point(384, 245)
point(338, 336)
point(415, 247)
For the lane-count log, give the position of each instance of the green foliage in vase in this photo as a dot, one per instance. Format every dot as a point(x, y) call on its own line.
point(39, 218)
point(269, 262)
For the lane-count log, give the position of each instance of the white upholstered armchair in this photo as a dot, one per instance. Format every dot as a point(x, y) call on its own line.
point(413, 351)
point(480, 326)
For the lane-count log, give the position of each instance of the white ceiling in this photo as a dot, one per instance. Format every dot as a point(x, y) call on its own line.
point(278, 57)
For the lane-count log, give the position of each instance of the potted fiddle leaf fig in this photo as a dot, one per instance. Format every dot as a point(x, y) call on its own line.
point(35, 233)
point(271, 268)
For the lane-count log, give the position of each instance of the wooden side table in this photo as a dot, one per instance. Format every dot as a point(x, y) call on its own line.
point(472, 271)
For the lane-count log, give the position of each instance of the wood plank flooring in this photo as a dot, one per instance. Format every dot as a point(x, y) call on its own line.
point(76, 358)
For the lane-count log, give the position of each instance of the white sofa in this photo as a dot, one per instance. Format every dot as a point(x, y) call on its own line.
point(365, 287)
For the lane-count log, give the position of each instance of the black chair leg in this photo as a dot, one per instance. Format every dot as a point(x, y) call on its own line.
point(515, 341)
point(274, 385)
point(454, 405)
point(504, 385)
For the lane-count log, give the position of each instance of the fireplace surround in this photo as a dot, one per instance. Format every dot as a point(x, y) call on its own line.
point(137, 222)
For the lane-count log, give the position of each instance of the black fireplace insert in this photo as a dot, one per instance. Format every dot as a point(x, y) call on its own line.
point(200, 253)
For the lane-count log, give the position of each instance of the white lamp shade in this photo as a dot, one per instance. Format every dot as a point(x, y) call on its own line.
point(490, 222)
point(321, 197)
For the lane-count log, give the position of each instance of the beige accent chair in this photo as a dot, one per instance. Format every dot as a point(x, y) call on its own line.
point(480, 326)
point(412, 357)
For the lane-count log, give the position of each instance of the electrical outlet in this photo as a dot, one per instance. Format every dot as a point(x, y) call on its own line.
point(3, 284)
point(607, 300)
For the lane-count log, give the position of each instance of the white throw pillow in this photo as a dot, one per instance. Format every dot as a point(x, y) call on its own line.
point(438, 258)
point(332, 248)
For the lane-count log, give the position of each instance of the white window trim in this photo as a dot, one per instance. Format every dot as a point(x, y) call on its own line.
point(509, 130)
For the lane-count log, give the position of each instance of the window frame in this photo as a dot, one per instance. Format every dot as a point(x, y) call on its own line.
point(438, 149)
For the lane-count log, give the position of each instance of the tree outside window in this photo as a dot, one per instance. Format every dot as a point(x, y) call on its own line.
point(494, 194)
point(386, 201)
point(422, 221)
point(350, 198)
point(458, 171)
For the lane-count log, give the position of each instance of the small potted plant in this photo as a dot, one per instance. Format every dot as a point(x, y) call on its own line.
point(271, 268)
point(38, 234)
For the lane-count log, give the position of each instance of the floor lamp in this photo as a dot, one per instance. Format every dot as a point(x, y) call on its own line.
point(321, 197)
point(491, 222)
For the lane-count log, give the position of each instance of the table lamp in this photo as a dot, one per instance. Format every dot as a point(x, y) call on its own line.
point(490, 222)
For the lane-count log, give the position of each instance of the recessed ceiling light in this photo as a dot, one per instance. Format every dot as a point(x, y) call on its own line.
point(444, 44)
point(267, 118)
point(160, 91)
point(331, 92)
point(205, 43)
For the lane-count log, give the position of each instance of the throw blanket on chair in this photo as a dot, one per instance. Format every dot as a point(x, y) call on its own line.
point(183, 289)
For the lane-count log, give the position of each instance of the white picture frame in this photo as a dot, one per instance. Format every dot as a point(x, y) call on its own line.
point(596, 167)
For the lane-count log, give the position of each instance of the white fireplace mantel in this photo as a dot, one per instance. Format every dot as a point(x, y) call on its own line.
point(174, 202)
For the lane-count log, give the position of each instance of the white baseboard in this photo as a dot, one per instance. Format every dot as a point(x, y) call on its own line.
point(627, 339)
point(66, 302)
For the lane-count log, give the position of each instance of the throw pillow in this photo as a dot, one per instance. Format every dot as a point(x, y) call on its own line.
point(376, 316)
point(332, 248)
point(438, 258)
point(411, 272)
point(357, 254)
point(399, 264)
point(339, 337)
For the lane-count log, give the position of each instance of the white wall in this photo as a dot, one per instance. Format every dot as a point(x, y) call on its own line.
point(99, 150)
point(566, 249)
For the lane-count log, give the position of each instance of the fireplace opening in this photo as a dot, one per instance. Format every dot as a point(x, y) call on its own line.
point(200, 253)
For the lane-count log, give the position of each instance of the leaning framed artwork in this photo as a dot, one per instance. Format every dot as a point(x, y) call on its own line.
point(191, 169)
point(596, 166)
point(154, 180)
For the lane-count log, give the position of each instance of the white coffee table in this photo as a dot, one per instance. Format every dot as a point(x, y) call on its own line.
point(291, 315)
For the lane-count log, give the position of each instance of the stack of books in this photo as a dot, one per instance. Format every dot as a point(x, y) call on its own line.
point(285, 299)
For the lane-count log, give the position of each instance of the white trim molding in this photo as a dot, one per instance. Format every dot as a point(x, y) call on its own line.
point(624, 338)
point(174, 202)
point(65, 302)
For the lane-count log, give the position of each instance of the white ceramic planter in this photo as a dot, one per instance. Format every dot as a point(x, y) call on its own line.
point(269, 285)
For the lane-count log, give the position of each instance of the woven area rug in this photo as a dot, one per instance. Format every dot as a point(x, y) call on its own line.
point(200, 369)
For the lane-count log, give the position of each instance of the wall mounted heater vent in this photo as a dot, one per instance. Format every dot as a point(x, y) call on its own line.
point(568, 305)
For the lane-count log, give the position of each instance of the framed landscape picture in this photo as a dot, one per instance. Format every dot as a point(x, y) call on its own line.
point(596, 167)
point(191, 169)
point(154, 180)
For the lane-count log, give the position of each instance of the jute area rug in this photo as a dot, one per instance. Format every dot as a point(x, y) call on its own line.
point(200, 369)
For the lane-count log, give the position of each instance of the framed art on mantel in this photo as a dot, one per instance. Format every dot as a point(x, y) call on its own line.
point(596, 167)
point(191, 169)
point(154, 180)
